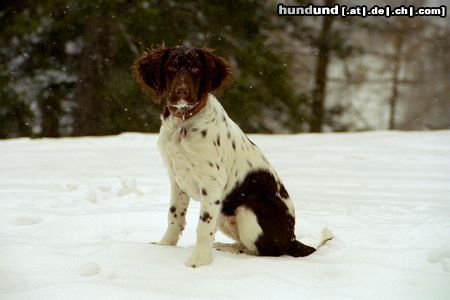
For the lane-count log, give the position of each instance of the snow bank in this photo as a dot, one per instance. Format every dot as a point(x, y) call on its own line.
point(77, 217)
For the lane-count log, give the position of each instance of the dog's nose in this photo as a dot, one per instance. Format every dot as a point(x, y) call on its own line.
point(182, 92)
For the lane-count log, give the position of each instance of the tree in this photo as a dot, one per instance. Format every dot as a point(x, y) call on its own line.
point(34, 54)
point(93, 43)
point(98, 50)
point(15, 115)
point(322, 62)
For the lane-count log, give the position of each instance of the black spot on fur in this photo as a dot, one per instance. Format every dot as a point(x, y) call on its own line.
point(259, 192)
point(233, 144)
point(260, 183)
point(217, 202)
point(210, 233)
point(183, 213)
point(194, 129)
point(204, 193)
point(249, 164)
point(228, 135)
point(223, 118)
point(206, 217)
point(203, 132)
point(218, 141)
point(173, 209)
point(210, 164)
point(217, 166)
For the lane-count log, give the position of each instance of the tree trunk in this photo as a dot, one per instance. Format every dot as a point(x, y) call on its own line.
point(322, 62)
point(50, 108)
point(395, 81)
point(91, 115)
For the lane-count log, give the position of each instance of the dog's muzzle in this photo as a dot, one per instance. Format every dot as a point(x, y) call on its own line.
point(184, 110)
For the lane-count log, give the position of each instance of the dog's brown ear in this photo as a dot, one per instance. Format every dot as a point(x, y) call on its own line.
point(217, 69)
point(149, 71)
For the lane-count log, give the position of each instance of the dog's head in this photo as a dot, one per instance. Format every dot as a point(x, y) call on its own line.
point(183, 76)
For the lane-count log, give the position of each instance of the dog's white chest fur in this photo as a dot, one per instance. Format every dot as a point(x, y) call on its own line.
point(191, 150)
point(183, 158)
point(207, 150)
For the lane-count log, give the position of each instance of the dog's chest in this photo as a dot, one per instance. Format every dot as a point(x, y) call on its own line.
point(188, 151)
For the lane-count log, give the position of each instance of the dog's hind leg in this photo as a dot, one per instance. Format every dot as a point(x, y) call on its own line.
point(234, 248)
point(228, 226)
point(249, 228)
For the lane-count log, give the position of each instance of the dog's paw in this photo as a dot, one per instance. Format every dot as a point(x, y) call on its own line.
point(234, 248)
point(166, 242)
point(199, 258)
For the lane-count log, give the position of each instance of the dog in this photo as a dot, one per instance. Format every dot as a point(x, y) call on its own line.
point(209, 158)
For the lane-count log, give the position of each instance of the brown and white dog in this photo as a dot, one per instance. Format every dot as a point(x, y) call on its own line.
point(210, 159)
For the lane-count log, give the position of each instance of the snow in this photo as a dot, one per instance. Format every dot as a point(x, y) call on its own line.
point(77, 216)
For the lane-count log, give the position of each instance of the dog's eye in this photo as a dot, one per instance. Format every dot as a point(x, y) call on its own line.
point(194, 69)
point(171, 69)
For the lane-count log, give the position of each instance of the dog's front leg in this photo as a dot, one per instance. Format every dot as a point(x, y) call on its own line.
point(176, 218)
point(206, 228)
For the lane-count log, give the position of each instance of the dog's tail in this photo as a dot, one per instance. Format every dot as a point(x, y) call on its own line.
point(298, 249)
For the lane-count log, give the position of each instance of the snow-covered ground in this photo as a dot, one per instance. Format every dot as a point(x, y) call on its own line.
point(77, 216)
